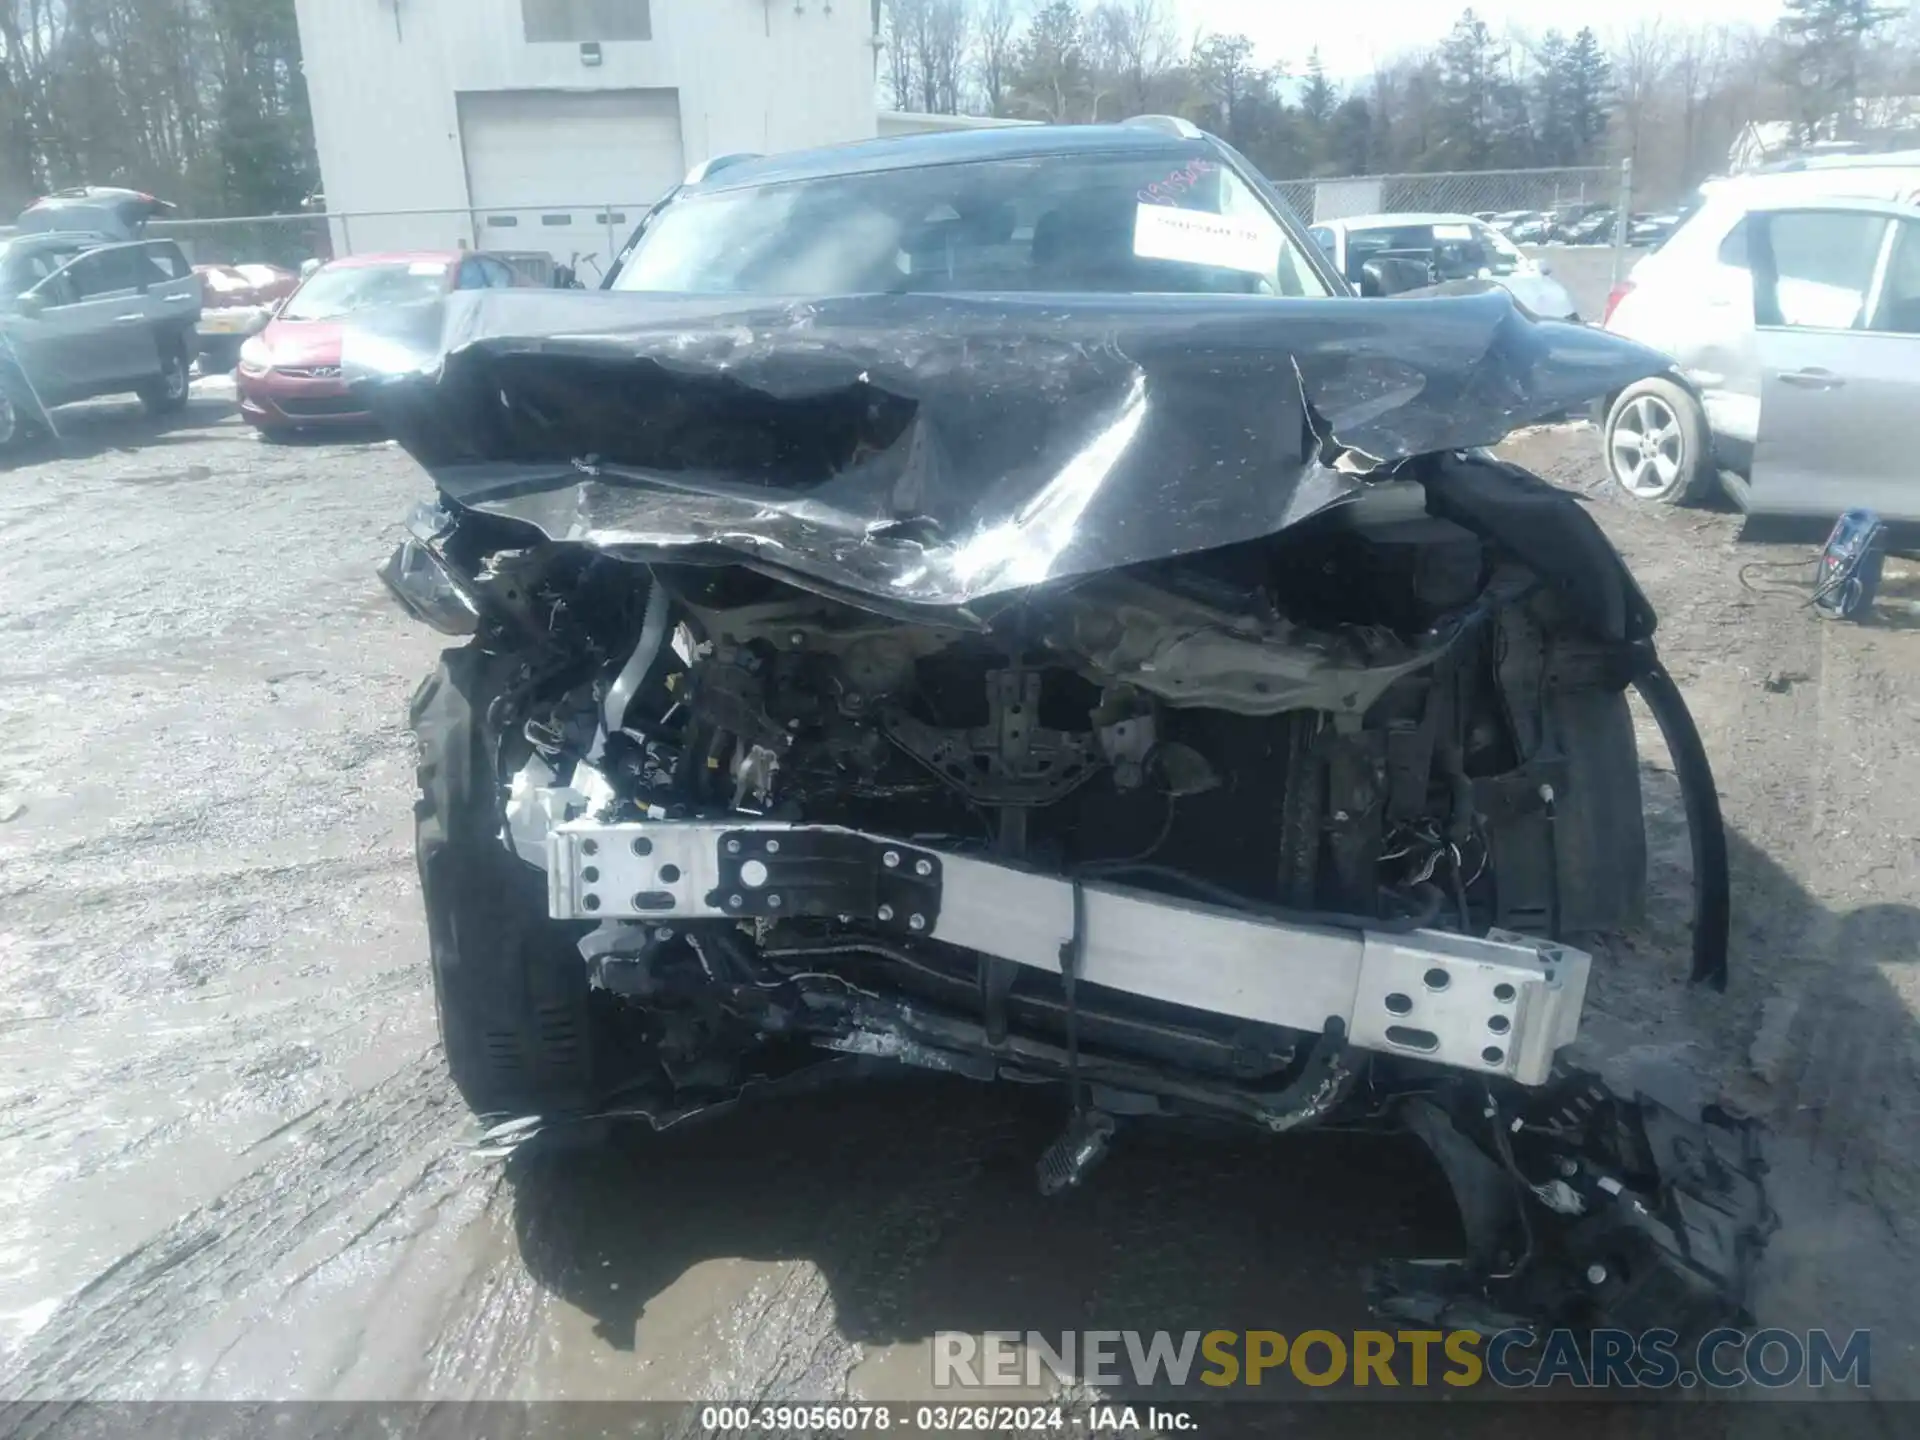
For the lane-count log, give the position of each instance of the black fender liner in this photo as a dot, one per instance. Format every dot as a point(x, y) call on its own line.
point(1553, 534)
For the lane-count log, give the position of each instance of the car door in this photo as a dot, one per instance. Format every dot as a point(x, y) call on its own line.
point(98, 320)
point(1836, 306)
point(173, 290)
point(30, 341)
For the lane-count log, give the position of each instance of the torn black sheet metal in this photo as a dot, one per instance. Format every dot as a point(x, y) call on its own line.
point(934, 450)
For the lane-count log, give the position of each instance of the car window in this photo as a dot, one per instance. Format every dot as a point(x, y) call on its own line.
point(1365, 245)
point(166, 263)
point(1499, 255)
point(500, 275)
point(1733, 249)
point(113, 270)
point(1898, 310)
point(1816, 267)
point(473, 276)
point(1323, 237)
point(28, 269)
point(1166, 223)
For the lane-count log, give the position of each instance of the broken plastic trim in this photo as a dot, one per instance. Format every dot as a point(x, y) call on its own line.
point(1582, 1207)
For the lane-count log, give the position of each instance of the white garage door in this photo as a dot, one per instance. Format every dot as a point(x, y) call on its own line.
point(567, 173)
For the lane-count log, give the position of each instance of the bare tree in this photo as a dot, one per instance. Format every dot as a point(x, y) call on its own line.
point(1641, 67)
point(202, 101)
point(1699, 63)
point(940, 49)
point(995, 26)
point(1135, 39)
point(899, 24)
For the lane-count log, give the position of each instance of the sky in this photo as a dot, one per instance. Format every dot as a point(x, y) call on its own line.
point(1354, 34)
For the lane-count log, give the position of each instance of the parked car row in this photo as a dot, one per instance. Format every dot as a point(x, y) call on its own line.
point(289, 375)
point(1581, 224)
point(89, 306)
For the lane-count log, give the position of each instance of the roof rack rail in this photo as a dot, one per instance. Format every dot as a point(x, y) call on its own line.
point(1166, 125)
point(714, 165)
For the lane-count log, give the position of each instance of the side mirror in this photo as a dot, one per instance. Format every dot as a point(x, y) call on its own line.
point(31, 303)
point(1393, 275)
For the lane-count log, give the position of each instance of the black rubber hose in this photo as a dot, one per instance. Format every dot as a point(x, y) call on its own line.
point(1707, 832)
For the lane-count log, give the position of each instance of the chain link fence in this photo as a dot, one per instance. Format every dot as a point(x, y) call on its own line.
point(587, 236)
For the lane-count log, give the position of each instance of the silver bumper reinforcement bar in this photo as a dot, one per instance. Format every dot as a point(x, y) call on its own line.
point(1501, 1005)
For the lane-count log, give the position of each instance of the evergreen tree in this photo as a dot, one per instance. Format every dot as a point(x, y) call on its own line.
point(1553, 129)
point(1823, 57)
point(1349, 142)
point(1318, 97)
point(1469, 71)
point(1223, 66)
point(1585, 88)
point(1050, 77)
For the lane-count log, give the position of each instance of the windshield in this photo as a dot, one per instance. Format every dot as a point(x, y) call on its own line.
point(1181, 224)
point(338, 291)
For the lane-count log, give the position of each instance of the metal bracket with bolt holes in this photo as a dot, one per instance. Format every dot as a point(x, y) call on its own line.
point(1498, 1005)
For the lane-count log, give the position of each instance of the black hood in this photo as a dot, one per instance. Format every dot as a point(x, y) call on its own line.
point(933, 449)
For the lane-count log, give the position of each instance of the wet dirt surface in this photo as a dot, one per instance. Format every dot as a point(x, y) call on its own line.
point(230, 1165)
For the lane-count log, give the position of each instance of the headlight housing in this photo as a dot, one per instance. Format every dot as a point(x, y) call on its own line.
point(255, 357)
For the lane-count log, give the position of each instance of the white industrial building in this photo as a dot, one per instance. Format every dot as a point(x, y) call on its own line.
point(548, 124)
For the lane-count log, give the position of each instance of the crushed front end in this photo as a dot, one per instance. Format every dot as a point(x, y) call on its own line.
point(1197, 721)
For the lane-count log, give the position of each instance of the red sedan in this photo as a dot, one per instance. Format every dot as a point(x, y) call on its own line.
point(289, 375)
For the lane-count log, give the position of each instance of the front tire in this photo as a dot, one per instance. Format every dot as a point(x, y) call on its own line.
point(510, 985)
point(167, 393)
point(1657, 445)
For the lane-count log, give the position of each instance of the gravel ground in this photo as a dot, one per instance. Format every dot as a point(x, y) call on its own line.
point(230, 1165)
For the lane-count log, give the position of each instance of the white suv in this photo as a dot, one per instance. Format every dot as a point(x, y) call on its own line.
point(1791, 302)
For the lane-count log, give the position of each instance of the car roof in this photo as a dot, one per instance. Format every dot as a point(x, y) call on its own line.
point(1800, 166)
point(1838, 202)
point(952, 147)
point(63, 239)
point(1816, 175)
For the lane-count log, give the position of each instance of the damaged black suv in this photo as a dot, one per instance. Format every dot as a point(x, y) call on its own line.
point(996, 602)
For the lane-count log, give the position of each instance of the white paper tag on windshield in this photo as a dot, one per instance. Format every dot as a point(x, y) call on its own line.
point(1453, 232)
point(427, 267)
point(1194, 237)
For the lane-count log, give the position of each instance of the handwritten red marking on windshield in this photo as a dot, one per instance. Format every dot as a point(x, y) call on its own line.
point(1167, 191)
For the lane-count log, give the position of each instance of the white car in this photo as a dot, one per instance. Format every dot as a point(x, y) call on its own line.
point(1790, 303)
point(1461, 246)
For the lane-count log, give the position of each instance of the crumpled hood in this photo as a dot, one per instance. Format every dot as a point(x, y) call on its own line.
point(1542, 294)
point(937, 449)
point(304, 342)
